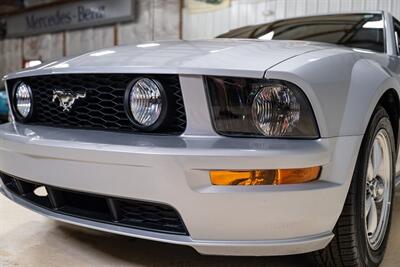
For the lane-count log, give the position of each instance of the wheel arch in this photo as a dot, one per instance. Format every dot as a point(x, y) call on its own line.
point(390, 102)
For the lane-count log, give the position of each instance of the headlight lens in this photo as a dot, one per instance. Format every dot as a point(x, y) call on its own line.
point(23, 100)
point(146, 101)
point(275, 110)
point(256, 107)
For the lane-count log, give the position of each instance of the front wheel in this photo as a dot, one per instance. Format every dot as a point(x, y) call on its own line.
point(362, 230)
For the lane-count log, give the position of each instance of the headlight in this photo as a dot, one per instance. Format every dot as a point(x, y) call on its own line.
point(23, 100)
point(146, 101)
point(256, 107)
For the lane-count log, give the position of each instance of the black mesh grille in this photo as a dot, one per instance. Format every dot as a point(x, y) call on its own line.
point(154, 216)
point(103, 106)
point(125, 212)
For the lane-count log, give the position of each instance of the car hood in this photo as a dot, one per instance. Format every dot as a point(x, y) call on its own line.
point(230, 57)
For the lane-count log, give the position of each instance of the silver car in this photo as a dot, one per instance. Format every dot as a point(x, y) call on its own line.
point(273, 139)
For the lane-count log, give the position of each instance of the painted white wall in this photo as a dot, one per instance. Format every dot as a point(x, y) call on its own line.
point(246, 12)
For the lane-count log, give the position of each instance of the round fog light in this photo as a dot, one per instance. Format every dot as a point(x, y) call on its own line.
point(146, 102)
point(23, 100)
point(275, 110)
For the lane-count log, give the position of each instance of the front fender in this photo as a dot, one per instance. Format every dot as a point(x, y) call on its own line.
point(343, 87)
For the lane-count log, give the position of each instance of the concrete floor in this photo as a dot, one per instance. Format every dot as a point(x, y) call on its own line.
point(28, 239)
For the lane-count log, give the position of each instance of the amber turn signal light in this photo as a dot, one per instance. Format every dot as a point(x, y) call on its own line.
point(265, 177)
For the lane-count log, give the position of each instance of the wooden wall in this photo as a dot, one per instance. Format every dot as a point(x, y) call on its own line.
point(10, 55)
point(155, 19)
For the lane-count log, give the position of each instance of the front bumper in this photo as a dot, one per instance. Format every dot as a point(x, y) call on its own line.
point(260, 220)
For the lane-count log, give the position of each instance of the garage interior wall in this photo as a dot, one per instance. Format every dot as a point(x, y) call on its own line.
point(155, 20)
point(246, 12)
point(160, 20)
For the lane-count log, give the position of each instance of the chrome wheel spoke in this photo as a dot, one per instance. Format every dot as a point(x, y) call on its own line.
point(376, 157)
point(368, 205)
point(372, 217)
point(370, 170)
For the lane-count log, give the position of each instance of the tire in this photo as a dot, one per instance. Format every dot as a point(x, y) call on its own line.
point(351, 245)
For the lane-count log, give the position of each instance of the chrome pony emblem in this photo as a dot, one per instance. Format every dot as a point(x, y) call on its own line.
point(66, 99)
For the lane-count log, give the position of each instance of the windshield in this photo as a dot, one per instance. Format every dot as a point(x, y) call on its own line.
point(353, 30)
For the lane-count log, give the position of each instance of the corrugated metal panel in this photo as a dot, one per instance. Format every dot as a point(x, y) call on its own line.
point(246, 12)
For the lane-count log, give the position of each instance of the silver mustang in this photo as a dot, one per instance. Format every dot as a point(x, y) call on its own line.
point(273, 139)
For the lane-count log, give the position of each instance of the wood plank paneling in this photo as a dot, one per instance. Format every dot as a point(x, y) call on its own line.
point(10, 56)
point(166, 20)
point(45, 47)
point(141, 29)
point(155, 19)
point(82, 41)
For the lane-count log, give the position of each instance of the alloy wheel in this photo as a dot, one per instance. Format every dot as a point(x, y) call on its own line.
point(378, 190)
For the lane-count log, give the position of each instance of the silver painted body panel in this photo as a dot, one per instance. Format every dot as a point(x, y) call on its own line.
point(342, 84)
point(209, 247)
point(247, 58)
point(174, 170)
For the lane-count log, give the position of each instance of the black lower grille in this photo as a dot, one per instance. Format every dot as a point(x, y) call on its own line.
point(124, 212)
point(102, 108)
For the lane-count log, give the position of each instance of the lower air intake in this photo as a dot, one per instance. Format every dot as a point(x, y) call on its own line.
point(124, 212)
